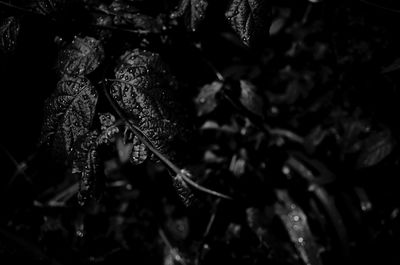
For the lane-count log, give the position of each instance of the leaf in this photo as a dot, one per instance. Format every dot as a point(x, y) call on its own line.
point(392, 67)
point(9, 31)
point(125, 14)
point(375, 148)
point(193, 12)
point(49, 7)
point(81, 57)
point(87, 164)
point(206, 100)
point(250, 99)
point(297, 226)
point(184, 191)
point(250, 20)
point(68, 114)
point(144, 91)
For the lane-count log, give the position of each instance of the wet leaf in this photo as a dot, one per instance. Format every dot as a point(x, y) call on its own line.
point(375, 148)
point(250, 99)
point(9, 31)
point(145, 91)
point(249, 19)
point(108, 127)
point(298, 228)
point(206, 100)
point(68, 114)
point(81, 57)
point(193, 12)
point(86, 163)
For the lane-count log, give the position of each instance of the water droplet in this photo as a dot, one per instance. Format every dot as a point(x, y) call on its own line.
point(79, 233)
point(286, 170)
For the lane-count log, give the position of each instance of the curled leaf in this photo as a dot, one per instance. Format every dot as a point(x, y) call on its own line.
point(295, 221)
point(108, 128)
point(86, 163)
point(68, 114)
point(193, 12)
point(184, 191)
point(250, 99)
point(81, 57)
point(375, 148)
point(206, 100)
point(9, 31)
point(249, 19)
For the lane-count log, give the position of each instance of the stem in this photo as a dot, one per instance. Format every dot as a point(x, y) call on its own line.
point(64, 195)
point(143, 138)
point(201, 188)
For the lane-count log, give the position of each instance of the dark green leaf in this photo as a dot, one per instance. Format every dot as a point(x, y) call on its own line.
point(250, 99)
point(81, 57)
point(193, 12)
point(144, 91)
point(298, 228)
point(375, 148)
point(206, 100)
point(249, 19)
point(68, 114)
point(125, 14)
point(9, 31)
point(86, 163)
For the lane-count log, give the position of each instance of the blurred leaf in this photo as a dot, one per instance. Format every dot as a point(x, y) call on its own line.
point(250, 99)
point(392, 67)
point(375, 148)
point(81, 57)
point(9, 31)
point(87, 164)
point(298, 228)
point(69, 113)
point(48, 7)
point(125, 14)
point(206, 100)
point(193, 12)
point(250, 20)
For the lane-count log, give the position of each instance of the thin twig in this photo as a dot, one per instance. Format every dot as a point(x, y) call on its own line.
point(64, 195)
point(32, 251)
point(9, 5)
point(201, 188)
point(20, 167)
point(379, 6)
